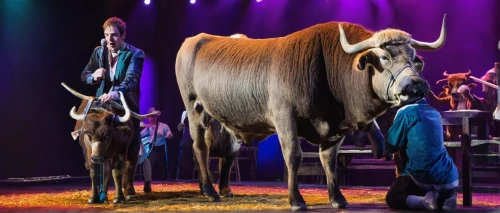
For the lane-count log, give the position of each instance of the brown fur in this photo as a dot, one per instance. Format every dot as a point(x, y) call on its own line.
point(100, 126)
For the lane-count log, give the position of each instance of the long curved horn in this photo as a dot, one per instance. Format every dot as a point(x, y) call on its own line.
point(132, 113)
point(468, 74)
point(72, 91)
point(363, 45)
point(434, 45)
point(445, 74)
point(437, 82)
point(125, 117)
point(76, 116)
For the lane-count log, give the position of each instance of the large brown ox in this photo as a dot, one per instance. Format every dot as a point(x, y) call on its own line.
point(106, 136)
point(311, 84)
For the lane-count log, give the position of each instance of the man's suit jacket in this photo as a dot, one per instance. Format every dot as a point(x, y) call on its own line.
point(127, 76)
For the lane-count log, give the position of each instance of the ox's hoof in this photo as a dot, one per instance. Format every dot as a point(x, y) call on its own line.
point(213, 198)
point(226, 193)
point(299, 207)
point(340, 204)
point(129, 198)
point(93, 200)
point(117, 200)
point(211, 194)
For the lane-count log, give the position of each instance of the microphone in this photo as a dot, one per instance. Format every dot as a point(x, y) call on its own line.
point(104, 51)
point(104, 54)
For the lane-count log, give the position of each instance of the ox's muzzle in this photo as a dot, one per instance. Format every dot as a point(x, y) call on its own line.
point(456, 96)
point(411, 89)
point(97, 160)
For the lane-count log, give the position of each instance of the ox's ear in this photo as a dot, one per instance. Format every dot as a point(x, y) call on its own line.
point(472, 85)
point(418, 63)
point(368, 57)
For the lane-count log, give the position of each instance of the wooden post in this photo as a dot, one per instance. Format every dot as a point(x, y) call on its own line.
point(466, 170)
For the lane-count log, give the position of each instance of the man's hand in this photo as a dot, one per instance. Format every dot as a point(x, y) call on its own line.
point(465, 91)
point(169, 135)
point(180, 127)
point(109, 97)
point(99, 74)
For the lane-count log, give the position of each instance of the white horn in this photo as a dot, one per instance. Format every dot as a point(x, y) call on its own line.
point(363, 45)
point(132, 113)
point(76, 116)
point(125, 117)
point(77, 94)
point(434, 45)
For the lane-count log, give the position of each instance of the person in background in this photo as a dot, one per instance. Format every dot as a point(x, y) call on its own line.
point(147, 135)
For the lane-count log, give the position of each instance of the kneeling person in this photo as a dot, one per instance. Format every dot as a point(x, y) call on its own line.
point(426, 175)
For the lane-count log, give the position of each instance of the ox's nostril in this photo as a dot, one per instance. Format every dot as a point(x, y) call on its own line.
point(96, 159)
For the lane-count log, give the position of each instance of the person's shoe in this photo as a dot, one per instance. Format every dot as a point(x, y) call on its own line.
point(430, 200)
point(450, 203)
point(147, 187)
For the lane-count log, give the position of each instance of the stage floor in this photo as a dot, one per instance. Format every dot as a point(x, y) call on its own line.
point(185, 196)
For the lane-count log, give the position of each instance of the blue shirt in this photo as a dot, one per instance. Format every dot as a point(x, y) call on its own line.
point(417, 132)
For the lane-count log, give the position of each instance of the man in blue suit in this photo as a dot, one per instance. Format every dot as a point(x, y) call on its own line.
point(117, 66)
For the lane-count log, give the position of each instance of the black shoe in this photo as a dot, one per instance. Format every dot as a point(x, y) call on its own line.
point(450, 203)
point(147, 187)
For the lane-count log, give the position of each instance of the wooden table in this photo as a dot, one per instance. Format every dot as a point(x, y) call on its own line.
point(462, 118)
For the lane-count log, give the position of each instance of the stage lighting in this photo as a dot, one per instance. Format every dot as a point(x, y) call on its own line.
point(192, 1)
point(258, 0)
point(147, 2)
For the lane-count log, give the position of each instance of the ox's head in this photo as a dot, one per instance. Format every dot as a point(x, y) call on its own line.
point(390, 58)
point(456, 81)
point(101, 127)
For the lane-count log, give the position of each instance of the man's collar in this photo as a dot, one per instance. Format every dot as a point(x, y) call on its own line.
point(422, 101)
point(125, 47)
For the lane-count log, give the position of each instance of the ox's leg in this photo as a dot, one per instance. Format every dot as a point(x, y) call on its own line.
point(94, 178)
point(128, 178)
point(117, 178)
point(132, 156)
point(225, 165)
point(201, 153)
point(328, 155)
point(292, 153)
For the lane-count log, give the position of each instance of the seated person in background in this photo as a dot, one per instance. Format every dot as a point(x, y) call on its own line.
point(147, 134)
point(426, 175)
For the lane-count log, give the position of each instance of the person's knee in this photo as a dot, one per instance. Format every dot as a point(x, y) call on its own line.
point(390, 201)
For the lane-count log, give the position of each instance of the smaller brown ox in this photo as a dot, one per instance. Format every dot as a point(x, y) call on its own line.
point(458, 96)
point(458, 93)
point(106, 136)
point(223, 146)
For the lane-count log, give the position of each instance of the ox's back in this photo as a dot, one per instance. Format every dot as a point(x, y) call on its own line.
point(238, 80)
point(226, 71)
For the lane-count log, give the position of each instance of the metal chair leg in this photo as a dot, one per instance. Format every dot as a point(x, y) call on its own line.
point(237, 167)
point(179, 161)
point(166, 158)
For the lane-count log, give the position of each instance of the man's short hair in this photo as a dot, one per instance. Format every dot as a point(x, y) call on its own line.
point(117, 22)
